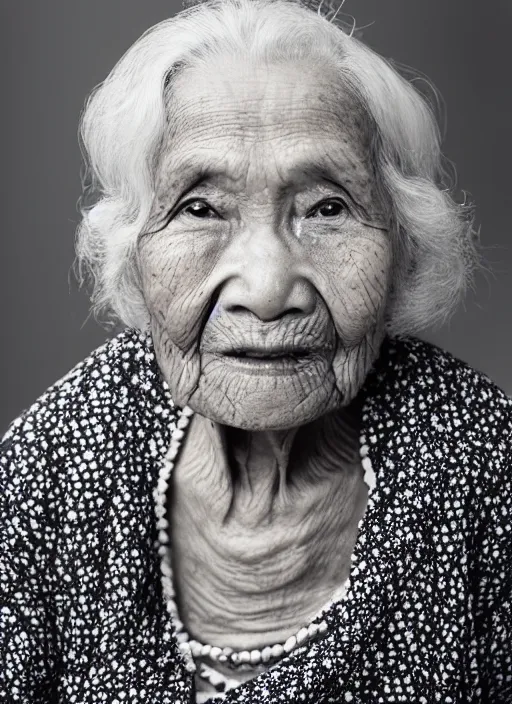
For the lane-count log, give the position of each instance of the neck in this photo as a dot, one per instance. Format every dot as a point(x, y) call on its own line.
point(253, 473)
point(259, 464)
point(263, 525)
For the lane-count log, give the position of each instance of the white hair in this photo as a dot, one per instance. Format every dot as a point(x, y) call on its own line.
point(123, 124)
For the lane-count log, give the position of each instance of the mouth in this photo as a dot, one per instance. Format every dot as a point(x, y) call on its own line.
point(274, 362)
point(291, 353)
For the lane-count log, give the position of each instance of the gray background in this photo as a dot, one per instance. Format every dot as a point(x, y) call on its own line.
point(55, 51)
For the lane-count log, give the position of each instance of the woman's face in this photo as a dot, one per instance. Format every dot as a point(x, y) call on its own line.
point(266, 263)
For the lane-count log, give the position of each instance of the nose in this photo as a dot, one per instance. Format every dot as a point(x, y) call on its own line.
point(266, 279)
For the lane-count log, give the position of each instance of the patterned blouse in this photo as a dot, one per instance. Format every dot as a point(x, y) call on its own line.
point(425, 617)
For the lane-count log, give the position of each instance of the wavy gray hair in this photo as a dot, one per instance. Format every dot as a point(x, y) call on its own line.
point(123, 124)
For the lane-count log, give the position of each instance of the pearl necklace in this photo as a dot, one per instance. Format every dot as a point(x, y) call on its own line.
point(191, 648)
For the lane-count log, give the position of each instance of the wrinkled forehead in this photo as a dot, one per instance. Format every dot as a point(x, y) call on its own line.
point(254, 110)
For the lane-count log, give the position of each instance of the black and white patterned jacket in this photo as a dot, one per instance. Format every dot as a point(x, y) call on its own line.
point(427, 616)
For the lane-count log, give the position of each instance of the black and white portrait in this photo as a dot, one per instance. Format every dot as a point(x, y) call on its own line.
point(257, 442)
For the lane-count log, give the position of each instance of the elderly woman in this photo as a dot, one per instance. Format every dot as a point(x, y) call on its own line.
point(262, 490)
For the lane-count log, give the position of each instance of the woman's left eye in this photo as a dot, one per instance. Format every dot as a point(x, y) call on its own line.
point(330, 208)
point(198, 209)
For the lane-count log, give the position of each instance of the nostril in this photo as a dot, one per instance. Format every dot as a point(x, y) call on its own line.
point(290, 313)
point(293, 311)
point(237, 309)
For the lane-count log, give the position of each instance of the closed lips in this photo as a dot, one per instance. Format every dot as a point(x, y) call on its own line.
point(268, 353)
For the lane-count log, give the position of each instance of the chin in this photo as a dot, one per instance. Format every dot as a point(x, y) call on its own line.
point(269, 406)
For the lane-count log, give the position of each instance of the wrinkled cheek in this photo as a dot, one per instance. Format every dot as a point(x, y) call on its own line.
point(176, 292)
point(351, 365)
point(175, 279)
point(181, 370)
point(355, 284)
point(356, 313)
point(356, 288)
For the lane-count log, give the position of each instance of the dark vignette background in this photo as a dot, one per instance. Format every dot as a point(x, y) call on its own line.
point(54, 52)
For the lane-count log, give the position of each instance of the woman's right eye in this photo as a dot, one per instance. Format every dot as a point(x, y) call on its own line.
point(197, 209)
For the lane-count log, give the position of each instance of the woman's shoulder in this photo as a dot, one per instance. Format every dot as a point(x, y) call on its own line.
point(420, 369)
point(111, 394)
point(420, 395)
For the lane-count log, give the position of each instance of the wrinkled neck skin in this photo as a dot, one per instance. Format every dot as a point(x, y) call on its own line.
point(263, 526)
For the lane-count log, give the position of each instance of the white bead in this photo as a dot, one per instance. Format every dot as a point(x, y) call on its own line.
point(364, 450)
point(370, 479)
point(162, 485)
point(159, 497)
point(244, 656)
point(312, 629)
point(322, 627)
point(163, 537)
point(302, 636)
point(178, 434)
point(167, 575)
point(290, 644)
point(205, 650)
point(277, 651)
point(190, 665)
point(215, 678)
point(172, 452)
point(166, 569)
point(171, 606)
point(367, 464)
point(169, 591)
point(266, 653)
point(182, 637)
point(195, 647)
point(162, 523)
point(215, 652)
point(227, 651)
point(255, 657)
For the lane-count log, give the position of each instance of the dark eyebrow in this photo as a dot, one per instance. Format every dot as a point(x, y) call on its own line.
point(306, 171)
point(324, 172)
point(323, 168)
point(197, 176)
